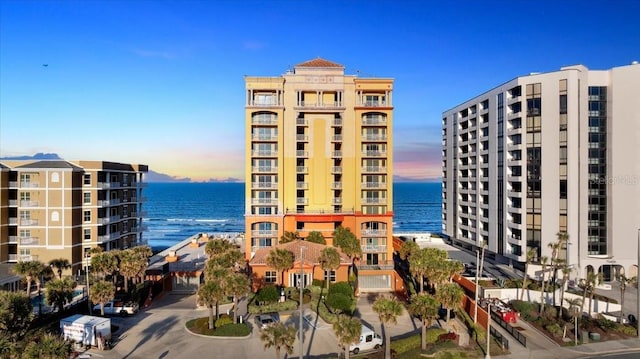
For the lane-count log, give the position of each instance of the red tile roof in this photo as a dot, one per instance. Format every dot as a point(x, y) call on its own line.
point(310, 255)
point(319, 62)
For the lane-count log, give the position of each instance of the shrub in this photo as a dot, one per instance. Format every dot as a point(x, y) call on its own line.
point(414, 341)
point(341, 287)
point(223, 320)
point(554, 329)
point(273, 307)
point(268, 294)
point(450, 336)
point(338, 302)
point(605, 323)
point(233, 330)
point(318, 283)
point(626, 330)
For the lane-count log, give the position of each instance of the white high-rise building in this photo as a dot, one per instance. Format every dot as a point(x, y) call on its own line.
point(548, 153)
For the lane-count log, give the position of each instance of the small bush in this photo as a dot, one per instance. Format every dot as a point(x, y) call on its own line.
point(450, 336)
point(554, 329)
point(626, 330)
point(268, 294)
point(318, 283)
point(233, 330)
point(339, 303)
point(273, 307)
point(341, 287)
point(412, 342)
point(605, 323)
point(223, 320)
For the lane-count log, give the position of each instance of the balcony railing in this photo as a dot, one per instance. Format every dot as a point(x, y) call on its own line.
point(374, 184)
point(263, 137)
point(301, 121)
point(374, 103)
point(263, 201)
point(28, 222)
point(13, 239)
point(336, 201)
point(13, 184)
point(260, 120)
point(302, 153)
point(336, 154)
point(264, 169)
point(301, 169)
point(371, 137)
point(13, 202)
point(374, 200)
point(374, 169)
point(302, 138)
point(29, 241)
point(377, 266)
point(256, 248)
point(302, 185)
point(336, 122)
point(336, 138)
point(335, 104)
point(268, 185)
point(379, 120)
point(374, 153)
point(374, 232)
point(264, 233)
point(28, 203)
point(302, 201)
point(264, 153)
point(336, 169)
point(373, 248)
point(336, 185)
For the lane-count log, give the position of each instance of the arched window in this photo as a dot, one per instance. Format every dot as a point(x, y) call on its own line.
point(55, 216)
point(55, 177)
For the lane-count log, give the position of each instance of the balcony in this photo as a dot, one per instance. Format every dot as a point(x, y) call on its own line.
point(336, 185)
point(302, 138)
point(302, 201)
point(13, 239)
point(302, 169)
point(29, 185)
point(13, 202)
point(264, 169)
point(336, 122)
point(336, 201)
point(13, 221)
point(28, 222)
point(374, 103)
point(336, 169)
point(264, 102)
point(302, 153)
point(264, 120)
point(302, 185)
point(264, 201)
point(336, 138)
point(513, 99)
point(264, 137)
point(29, 241)
point(514, 115)
point(368, 200)
point(374, 169)
point(381, 265)
point(374, 248)
point(256, 248)
point(374, 232)
point(301, 121)
point(320, 105)
point(108, 237)
point(264, 153)
point(374, 137)
point(262, 233)
point(374, 185)
point(336, 154)
point(379, 120)
point(13, 184)
point(374, 153)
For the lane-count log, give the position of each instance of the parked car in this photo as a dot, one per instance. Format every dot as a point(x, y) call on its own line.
point(264, 320)
point(118, 308)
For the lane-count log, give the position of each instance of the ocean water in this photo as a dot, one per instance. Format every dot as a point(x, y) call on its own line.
point(176, 211)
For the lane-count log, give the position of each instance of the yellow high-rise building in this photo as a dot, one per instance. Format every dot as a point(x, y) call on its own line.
point(319, 156)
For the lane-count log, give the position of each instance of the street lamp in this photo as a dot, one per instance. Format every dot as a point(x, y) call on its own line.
point(488, 355)
point(302, 248)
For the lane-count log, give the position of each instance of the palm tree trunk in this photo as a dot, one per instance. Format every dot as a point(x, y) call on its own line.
point(346, 352)
point(28, 287)
point(584, 296)
point(235, 309)
point(590, 299)
point(217, 310)
point(448, 315)
point(210, 316)
point(424, 335)
point(387, 344)
point(621, 303)
point(421, 279)
point(277, 352)
point(524, 281)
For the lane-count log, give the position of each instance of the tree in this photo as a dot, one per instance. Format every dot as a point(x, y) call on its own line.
point(59, 292)
point(316, 237)
point(229, 259)
point(280, 337)
point(543, 262)
point(280, 260)
point(60, 264)
point(574, 305)
point(128, 267)
point(435, 267)
point(289, 237)
point(209, 295)
point(49, 346)
point(30, 271)
point(217, 246)
point(102, 292)
point(104, 263)
point(142, 255)
point(623, 280)
point(531, 254)
point(425, 306)
point(407, 249)
point(388, 310)
point(589, 285)
point(348, 331)
point(338, 302)
point(237, 285)
point(566, 270)
point(16, 314)
point(450, 295)
point(560, 245)
point(344, 239)
point(329, 260)
point(215, 273)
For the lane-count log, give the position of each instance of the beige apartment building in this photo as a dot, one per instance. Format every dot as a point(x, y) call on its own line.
point(548, 153)
point(318, 156)
point(60, 209)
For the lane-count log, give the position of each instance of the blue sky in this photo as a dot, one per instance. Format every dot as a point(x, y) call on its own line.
point(161, 82)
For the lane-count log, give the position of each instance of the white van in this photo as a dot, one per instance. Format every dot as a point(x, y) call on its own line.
point(368, 340)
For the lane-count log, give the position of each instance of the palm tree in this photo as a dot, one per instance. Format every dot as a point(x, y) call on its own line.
point(103, 263)
point(388, 310)
point(589, 284)
point(280, 260)
point(329, 260)
point(348, 331)
point(59, 264)
point(128, 267)
point(543, 262)
point(237, 285)
point(289, 237)
point(531, 254)
point(450, 295)
point(419, 266)
point(209, 295)
point(49, 346)
point(279, 336)
point(344, 239)
point(425, 306)
point(59, 292)
point(623, 286)
point(574, 305)
point(102, 292)
point(435, 265)
point(566, 271)
point(30, 270)
point(407, 249)
point(217, 246)
point(316, 237)
point(16, 313)
point(219, 275)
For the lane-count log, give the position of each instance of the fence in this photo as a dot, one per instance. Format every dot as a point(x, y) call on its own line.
point(509, 328)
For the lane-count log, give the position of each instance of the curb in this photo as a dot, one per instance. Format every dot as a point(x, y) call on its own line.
point(215, 336)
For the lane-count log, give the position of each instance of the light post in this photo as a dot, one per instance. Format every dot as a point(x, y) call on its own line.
point(488, 355)
point(302, 248)
point(475, 306)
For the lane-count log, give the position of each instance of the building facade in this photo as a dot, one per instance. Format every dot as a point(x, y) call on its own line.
point(318, 156)
point(53, 209)
point(543, 154)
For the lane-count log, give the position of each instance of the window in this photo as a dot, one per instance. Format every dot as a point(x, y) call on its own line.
point(86, 215)
point(86, 197)
point(86, 179)
point(55, 216)
point(87, 234)
point(55, 177)
point(331, 274)
point(563, 104)
point(270, 277)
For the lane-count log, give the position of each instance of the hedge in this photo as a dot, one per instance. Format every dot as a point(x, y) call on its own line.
point(412, 342)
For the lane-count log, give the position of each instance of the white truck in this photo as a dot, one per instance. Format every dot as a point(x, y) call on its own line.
point(85, 329)
point(118, 308)
point(368, 340)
